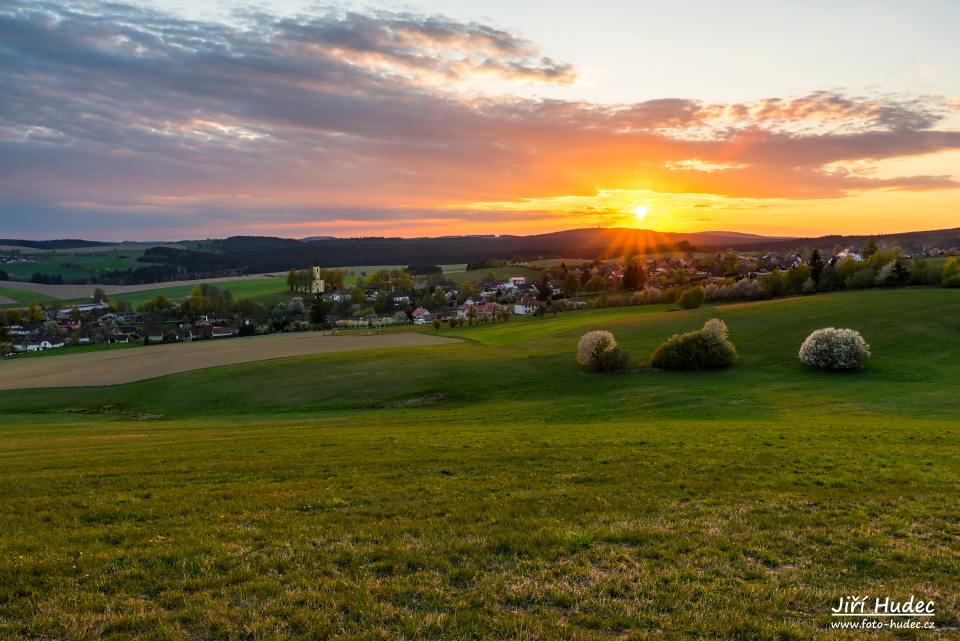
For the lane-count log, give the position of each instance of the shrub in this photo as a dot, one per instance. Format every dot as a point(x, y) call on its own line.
point(950, 276)
point(706, 348)
point(598, 351)
point(646, 296)
point(861, 279)
point(692, 298)
point(834, 349)
point(743, 288)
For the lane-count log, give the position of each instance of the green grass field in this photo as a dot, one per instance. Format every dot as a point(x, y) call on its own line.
point(492, 489)
point(260, 288)
point(74, 266)
point(478, 275)
point(23, 298)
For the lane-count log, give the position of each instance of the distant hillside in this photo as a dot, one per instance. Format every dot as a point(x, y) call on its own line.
point(65, 243)
point(914, 240)
point(252, 254)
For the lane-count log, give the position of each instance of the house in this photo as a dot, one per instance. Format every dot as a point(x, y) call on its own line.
point(39, 344)
point(464, 309)
point(526, 305)
point(339, 296)
point(516, 281)
point(399, 298)
point(846, 253)
point(422, 316)
point(221, 332)
point(201, 330)
point(85, 308)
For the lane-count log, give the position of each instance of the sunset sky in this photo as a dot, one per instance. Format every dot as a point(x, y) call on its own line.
point(172, 119)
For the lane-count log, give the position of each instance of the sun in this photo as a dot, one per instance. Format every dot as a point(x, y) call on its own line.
point(640, 212)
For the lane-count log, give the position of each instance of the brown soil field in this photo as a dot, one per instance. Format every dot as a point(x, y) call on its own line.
point(72, 292)
point(128, 365)
point(4, 300)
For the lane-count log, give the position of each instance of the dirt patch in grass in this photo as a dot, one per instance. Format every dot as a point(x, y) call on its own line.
point(112, 409)
point(417, 401)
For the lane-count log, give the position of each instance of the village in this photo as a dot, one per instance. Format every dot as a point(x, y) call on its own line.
point(321, 298)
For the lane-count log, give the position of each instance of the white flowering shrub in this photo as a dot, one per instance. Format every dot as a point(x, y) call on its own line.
point(646, 296)
point(592, 344)
point(745, 288)
point(598, 351)
point(715, 328)
point(834, 349)
point(712, 291)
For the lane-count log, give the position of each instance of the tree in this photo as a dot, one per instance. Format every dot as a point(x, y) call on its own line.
point(469, 291)
point(52, 329)
point(634, 276)
point(35, 313)
point(12, 317)
point(99, 295)
point(595, 284)
point(901, 273)
point(816, 266)
point(730, 262)
point(295, 306)
point(318, 312)
point(870, 248)
point(950, 276)
point(692, 298)
point(544, 291)
point(357, 296)
point(391, 280)
point(570, 284)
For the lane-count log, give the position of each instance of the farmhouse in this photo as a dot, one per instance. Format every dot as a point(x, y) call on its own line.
point(422, 316)
point(526, 305)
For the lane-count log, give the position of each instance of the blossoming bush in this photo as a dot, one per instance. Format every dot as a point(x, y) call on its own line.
point(707, 348)
point(598, 351)
point(834, 349)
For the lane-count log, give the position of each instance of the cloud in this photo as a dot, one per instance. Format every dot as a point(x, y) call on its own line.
point(109, 108)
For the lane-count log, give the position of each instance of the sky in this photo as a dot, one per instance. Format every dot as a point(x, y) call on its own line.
point(170, 119)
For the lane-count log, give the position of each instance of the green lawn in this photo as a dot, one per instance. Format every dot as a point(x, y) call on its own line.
point(492, 489)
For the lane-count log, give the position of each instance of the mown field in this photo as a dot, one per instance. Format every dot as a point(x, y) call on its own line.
point(492, 489)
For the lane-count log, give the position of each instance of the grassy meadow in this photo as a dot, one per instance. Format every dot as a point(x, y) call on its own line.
point(74, 266)
point(492, 489)
point(259, 288)
point(22, 298)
